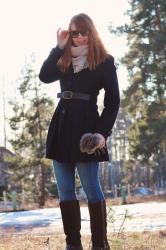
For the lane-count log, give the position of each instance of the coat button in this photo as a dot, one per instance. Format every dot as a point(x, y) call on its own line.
point(63, 111)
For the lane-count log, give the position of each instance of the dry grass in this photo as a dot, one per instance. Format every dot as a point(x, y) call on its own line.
point(52, 202)
point(126, 241)
point(130, 200)
point(137, 199)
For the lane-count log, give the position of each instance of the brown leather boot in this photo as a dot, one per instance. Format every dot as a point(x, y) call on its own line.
point(71, 217)
point(98, 224)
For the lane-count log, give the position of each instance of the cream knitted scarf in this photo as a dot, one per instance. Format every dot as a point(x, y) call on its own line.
point(79, 57)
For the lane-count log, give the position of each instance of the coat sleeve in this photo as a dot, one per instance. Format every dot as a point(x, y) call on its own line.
point(111, 98)
point(49, 71)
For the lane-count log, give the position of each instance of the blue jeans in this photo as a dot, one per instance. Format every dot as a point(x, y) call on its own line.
point(89, 177)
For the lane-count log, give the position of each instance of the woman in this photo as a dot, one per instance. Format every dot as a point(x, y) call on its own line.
point(77, 134)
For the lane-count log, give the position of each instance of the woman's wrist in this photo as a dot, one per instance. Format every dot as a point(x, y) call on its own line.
point(60, 47)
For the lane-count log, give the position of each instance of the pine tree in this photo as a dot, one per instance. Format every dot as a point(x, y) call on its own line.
point(145, 98)
point(32, 113)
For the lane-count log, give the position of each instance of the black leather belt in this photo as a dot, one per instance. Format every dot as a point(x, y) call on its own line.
point(73, 95)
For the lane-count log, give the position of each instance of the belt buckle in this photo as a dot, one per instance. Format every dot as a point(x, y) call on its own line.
point(67, 94)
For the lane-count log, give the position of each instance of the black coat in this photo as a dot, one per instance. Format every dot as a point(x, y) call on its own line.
point(74, 117)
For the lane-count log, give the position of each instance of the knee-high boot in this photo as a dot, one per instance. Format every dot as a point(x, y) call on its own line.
point(98, 224)
point(71, 218)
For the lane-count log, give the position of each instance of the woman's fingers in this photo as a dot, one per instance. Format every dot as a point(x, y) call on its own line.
point(102, 144)
point(62, 37)
point(58, 31)
point(62, 33)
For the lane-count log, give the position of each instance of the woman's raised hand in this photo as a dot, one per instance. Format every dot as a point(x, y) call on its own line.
point(62, 38)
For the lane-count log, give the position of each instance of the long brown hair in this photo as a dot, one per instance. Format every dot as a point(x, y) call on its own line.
point(96, 53)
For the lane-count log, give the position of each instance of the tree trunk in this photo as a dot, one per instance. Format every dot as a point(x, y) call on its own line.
point(42, 192)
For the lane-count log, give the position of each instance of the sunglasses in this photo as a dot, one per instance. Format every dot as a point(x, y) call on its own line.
point(75, 33)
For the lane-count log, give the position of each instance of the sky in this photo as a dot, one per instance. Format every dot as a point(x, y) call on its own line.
point(29, 26)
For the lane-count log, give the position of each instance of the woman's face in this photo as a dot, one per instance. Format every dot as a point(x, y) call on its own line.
point(78, 37)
